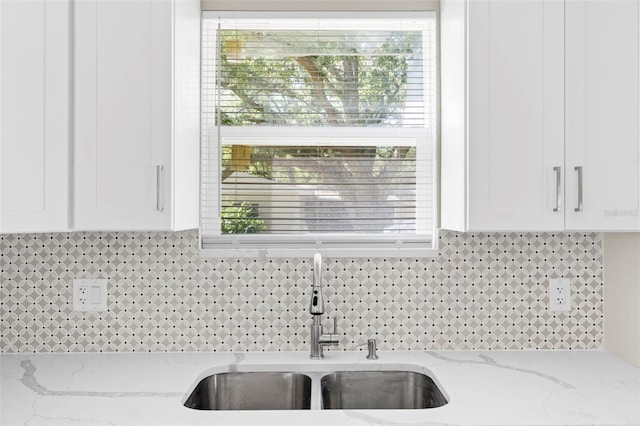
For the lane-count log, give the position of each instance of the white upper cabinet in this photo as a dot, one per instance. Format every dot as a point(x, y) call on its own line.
point(136, 114)
point(540, 115)
point(34, 116)
point(603, 115)
point(121, 89)
point(502, 115)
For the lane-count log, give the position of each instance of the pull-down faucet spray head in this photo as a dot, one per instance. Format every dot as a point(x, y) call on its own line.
point(317, 302)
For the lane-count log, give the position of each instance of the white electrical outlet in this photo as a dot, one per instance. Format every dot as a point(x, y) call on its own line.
point(90, 295)
point(559, 294)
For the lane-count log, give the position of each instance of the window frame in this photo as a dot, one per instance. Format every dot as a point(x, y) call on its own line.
point(338, 244)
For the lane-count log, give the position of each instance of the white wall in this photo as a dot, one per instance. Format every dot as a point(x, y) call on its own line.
point(622, 295)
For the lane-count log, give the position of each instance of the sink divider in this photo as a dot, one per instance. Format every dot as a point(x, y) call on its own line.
point(316, 389)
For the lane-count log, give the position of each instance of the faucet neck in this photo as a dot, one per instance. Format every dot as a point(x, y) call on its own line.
point(317, 270)
point(316, 306)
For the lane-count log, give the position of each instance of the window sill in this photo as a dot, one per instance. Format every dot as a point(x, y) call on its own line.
point(296, 247)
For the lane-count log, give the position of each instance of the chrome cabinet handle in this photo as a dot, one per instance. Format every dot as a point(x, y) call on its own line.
point(159, 170)
point(557, 170)
point(579, 170)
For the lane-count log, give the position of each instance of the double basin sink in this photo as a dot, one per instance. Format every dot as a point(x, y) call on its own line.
point(347, 390)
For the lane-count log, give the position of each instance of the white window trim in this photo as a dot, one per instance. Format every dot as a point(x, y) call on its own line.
point(325, 5)
point(335, 245)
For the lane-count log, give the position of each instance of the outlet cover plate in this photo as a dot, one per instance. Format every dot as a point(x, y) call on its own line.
point(559, 294)
point(90, 295)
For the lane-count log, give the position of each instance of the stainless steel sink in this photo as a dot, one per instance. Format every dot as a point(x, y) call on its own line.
point(252, 391)
point(352, 390)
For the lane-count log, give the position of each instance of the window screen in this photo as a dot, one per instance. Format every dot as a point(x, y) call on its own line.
point(318, 132)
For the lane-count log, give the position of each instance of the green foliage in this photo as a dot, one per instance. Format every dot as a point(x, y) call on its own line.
point(300, 78)
point(241, 219)
point(358, 80)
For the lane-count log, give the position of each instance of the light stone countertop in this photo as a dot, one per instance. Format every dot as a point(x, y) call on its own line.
point(483, 388)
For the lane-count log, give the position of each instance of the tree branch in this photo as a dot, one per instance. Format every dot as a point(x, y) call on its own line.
point(310, 66)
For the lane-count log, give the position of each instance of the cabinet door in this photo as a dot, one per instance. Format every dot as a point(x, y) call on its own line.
point(515, 115)
point(123, 114)
point(34, 128)
point(603, 139)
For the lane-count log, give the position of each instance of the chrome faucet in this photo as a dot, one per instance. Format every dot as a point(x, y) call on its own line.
point(316, 308)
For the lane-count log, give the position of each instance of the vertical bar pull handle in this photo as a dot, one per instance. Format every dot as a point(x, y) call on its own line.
point(579, 170)
point(557, 170)
point(159, 170)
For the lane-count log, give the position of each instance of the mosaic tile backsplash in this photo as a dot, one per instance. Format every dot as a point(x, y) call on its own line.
point(483, 291)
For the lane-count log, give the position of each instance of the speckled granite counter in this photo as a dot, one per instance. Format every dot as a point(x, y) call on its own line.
point(483, 388)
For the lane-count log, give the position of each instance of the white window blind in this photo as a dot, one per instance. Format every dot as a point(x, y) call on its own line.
point(318, 133)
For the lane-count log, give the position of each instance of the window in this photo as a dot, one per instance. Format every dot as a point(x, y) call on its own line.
point(319, 133)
